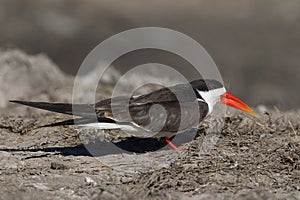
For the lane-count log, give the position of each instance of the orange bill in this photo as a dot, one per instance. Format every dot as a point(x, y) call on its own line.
point(231, 100)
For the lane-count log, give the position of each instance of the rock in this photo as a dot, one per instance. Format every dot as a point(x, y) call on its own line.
point(262, 109)
point(26, 77)
point(58, 166)
point(90, 181)
point(126, 179)
point(40, 186)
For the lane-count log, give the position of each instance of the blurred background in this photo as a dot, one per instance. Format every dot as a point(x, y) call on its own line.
point(255, 43)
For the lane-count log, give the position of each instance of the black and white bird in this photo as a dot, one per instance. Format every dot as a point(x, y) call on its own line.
point(160, 114)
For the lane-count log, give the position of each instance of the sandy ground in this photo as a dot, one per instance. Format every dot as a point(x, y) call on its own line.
point(252, 158)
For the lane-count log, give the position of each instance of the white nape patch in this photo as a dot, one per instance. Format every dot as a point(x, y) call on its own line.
point(212, 97)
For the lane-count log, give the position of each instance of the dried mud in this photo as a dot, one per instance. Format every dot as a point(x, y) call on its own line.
point(252, 159)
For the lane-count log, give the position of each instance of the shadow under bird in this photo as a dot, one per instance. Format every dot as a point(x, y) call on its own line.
point(159, 114)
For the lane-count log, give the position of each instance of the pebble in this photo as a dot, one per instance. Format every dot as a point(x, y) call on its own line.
point(90, 181)
point(57, 166)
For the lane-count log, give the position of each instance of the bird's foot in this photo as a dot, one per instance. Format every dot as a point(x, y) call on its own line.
point(168, 141)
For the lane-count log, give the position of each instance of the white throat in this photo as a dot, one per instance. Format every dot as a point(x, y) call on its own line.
point(212, 97)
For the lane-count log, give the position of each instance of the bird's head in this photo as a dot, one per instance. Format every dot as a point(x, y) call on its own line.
point(212, 91)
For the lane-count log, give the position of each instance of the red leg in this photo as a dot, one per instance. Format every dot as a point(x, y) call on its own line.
point(166, 140)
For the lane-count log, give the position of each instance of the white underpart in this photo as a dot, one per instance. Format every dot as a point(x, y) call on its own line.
point(130, 127)
point(212, 97)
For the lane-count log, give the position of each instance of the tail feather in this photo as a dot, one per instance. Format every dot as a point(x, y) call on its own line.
point(78, 121)
point(61, 123)
point(82, 110)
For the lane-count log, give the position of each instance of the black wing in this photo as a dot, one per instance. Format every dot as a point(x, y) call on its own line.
point(168, 116)
point(181, 92)
point(138, 106)
point(82, 110)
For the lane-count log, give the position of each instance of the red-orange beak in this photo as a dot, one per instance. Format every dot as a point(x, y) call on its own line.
point(231, 100)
